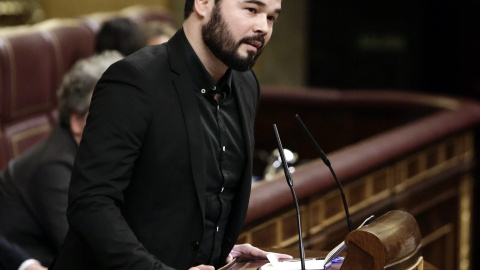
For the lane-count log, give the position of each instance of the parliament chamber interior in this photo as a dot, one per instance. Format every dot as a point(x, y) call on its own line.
point(393, 102)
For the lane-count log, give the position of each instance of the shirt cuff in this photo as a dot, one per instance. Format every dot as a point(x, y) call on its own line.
point(27, 263)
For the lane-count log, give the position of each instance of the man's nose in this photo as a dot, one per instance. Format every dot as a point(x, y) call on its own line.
point(262, 25)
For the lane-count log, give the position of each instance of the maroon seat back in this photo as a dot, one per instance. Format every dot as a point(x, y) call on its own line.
point(28, 73)
point(71, 40)
point(33, 61)
point(23, 134)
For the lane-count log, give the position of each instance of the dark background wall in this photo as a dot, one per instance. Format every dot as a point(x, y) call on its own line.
point(413, 45)
point(431, 46)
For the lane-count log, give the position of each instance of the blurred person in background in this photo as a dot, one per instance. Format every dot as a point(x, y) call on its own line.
point(120, 34)
point(34, 186)
point(158, 32)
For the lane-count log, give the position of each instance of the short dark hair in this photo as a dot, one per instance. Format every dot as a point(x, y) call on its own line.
point(189, 7)
point(120, 34)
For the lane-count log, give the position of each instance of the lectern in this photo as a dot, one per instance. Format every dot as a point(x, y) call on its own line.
point(391, 242)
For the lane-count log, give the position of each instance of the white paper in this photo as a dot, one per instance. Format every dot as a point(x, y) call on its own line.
point(310, 264)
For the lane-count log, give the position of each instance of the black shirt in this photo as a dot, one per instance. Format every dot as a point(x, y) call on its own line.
point(224, 152)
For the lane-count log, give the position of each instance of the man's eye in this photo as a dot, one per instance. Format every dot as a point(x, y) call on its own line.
point(272, 18)
point(252, 10)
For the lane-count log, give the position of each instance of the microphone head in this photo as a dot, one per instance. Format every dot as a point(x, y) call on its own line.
point(327, 162)
point(312, 140)
point(282, 156)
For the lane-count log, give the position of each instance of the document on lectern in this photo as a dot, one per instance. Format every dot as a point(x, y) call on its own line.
point(310, 264)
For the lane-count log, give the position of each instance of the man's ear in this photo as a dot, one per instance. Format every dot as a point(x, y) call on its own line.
point(203, 7)
point(77, 124)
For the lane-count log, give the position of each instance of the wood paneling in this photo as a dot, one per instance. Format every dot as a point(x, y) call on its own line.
point(436, 192)
point(421, 161)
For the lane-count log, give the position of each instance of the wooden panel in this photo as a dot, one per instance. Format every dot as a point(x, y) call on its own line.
point(265, 235)
point(433, 184)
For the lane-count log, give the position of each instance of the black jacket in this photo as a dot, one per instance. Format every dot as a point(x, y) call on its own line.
point(34, 195)
point(137, 193)
point(11, 256)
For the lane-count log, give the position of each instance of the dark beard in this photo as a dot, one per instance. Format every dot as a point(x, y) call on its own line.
point(219, 40)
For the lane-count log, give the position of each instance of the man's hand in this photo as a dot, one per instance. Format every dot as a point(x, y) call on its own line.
point(202, 267)
point(35, 267)
point(249, 252)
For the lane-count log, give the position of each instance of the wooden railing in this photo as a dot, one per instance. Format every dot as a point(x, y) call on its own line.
point(391, 150)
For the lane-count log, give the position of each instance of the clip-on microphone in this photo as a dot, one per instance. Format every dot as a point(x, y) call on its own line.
point(290, 184)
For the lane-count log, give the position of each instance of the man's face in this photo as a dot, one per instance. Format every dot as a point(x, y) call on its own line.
point(238, 30)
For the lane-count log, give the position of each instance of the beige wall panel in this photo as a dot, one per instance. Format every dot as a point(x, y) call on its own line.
point(72, 8)
point(284, 61)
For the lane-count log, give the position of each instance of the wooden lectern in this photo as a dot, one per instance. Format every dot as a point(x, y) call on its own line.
point(391, 242)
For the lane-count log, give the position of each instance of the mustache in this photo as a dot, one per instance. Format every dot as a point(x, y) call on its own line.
point(258, 38)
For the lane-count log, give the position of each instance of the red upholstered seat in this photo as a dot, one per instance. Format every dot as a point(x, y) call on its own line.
point(23, 134)
point(33, 61)
point(28, 73)
point(71, 40)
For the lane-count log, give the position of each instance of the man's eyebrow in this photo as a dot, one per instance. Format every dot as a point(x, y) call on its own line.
point(262, 4)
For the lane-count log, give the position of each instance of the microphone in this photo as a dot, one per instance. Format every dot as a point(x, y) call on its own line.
point(290, 184)
point(327, 162)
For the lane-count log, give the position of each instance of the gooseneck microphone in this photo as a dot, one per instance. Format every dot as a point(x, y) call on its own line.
point(290, 184)
point(327, 162)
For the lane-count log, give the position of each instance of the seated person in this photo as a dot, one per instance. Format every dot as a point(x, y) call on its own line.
point(120, 34)
point(13, 257)
point(34, 186)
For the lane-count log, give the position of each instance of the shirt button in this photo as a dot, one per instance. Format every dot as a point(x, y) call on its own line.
point(224, 149)
point(218, 228)
point(214, 88)
point(222, 190)
point(203, 91)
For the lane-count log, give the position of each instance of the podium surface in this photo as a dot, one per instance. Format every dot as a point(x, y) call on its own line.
point(253, 265)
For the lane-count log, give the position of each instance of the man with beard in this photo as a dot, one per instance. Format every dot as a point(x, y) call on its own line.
point(162, 176)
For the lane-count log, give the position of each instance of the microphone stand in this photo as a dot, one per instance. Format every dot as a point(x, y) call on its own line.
point(327, 162)
point(290, 184)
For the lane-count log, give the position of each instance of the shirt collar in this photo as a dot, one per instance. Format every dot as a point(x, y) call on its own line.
point(225, 84)
point(200, 76)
